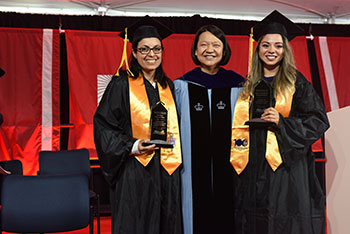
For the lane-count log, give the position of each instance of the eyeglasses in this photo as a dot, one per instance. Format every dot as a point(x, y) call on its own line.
point(146, 50)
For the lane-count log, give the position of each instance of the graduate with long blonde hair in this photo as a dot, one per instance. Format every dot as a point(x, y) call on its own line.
point(276, 188)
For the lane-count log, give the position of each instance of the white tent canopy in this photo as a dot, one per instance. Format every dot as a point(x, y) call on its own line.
point(300, 11)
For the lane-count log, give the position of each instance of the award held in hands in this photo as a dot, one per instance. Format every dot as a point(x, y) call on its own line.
point(263, 99)
point(159, 124)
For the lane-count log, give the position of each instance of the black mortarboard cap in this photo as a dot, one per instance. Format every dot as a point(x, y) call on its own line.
point(275, 22)
point(145, 28)
point(2, 72)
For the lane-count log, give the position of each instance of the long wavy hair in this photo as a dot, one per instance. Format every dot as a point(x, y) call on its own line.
point(136, 68)
point(283, 82)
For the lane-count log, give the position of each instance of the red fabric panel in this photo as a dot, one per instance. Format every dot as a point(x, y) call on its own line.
point(301, 56)
point(239, 54)
point(56, 113)
point(177, 55)
point(339, 50)
point(317, 146)
point(20, 95)
point(88, 54)
point(322, 75)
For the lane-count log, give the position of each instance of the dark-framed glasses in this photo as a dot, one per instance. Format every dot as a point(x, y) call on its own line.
point(146, 50)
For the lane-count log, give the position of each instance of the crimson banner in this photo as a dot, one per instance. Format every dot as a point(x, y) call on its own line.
point(29, 94)
point(301, 55)
point(90, 55)
point(333, 61)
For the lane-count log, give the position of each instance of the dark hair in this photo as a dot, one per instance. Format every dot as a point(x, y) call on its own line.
point(136, 69)
point(219, 34)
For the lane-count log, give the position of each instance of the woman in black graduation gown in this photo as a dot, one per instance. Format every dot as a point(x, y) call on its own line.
point(144, 180)
point(276, 188)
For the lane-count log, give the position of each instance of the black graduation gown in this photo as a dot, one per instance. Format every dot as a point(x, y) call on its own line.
point(289, 200)
point(144, 200)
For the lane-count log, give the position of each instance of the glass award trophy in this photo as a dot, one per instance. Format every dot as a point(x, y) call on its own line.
point(263, 99)
point(159, 124)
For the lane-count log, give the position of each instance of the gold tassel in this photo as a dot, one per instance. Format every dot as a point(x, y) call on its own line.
point(251, 44)
point(125, 56)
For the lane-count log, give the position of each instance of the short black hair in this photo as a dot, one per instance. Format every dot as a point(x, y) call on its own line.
point(216, 31)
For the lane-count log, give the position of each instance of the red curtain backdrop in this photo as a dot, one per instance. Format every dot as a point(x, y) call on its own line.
point(301, 55)
point(177, 55)
point(29, 94)
point(89, 54)
point(333, 63)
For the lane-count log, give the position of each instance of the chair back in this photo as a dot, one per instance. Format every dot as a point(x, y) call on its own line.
point(13, 166)
point(42, 204)
point(64, 162)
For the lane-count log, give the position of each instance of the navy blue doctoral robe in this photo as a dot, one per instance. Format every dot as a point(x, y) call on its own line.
point(205, 106)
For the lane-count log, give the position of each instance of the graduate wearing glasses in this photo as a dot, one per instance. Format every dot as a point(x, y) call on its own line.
point(144, 179)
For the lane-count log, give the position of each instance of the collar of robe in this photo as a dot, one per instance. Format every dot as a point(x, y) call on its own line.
point(240, 134)
point(140, 122)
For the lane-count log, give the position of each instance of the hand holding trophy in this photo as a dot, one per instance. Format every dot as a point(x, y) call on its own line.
point(263, 99)
point(159, 123)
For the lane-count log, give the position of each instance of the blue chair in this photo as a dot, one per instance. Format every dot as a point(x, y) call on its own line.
point(68, 162)
point(13, 166)
point(44, 204)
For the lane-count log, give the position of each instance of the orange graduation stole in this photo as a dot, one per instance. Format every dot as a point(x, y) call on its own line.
point(240, 134)
point(140, 122)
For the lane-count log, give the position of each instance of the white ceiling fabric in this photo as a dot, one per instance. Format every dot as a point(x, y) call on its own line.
point(299, 11)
